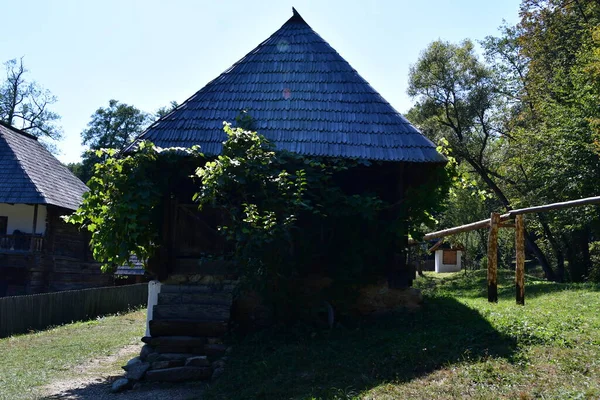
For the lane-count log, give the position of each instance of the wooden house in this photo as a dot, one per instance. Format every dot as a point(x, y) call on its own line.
point(305, 98)
point(39, 252)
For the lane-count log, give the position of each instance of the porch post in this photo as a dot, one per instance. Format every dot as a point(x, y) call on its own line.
point(35, 217)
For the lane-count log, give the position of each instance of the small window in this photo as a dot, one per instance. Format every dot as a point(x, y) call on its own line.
point(3, 225)
point(449, 257)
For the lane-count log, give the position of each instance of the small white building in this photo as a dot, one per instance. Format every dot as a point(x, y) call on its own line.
point(447, 258)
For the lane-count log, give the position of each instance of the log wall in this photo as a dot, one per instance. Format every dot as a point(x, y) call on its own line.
point(64, 263)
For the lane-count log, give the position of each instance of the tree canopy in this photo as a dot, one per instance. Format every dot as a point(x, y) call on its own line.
point(26, 105)
point(523, 122)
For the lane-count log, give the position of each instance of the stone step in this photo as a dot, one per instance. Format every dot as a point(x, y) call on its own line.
point(179, 327)
point(192, 312)
point(224, 287)
point(215, 298)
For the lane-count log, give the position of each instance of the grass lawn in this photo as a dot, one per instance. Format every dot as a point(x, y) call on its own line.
point(33, 360)
point(457, 346)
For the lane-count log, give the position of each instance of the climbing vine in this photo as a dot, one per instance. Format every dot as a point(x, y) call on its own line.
point(122, 208)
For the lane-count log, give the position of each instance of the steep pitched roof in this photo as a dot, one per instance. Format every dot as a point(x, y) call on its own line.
point(304, 97)
point(29, 174)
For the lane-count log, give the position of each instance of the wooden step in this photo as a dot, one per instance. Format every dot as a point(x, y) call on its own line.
point(193, 312)
point(175, 341)
point(199, 288)
point(178, 327)
point(179, 374)
point(216, 298)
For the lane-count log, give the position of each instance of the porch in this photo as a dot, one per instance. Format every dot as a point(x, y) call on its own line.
point(21, 243)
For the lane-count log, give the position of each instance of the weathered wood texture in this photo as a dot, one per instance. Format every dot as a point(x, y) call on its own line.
point(187, 328)
point(224, 299)
point(64, 262)
point(492, 259)
point(20, 314)
point(511, 214)
point(520, 258)
point(194, 312)
point(179, 374)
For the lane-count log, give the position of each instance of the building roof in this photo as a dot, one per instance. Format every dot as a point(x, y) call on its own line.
point(29, 174)
point(303, 96)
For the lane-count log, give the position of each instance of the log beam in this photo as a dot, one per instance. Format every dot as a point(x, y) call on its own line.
point(492, 258)
point(520, 259)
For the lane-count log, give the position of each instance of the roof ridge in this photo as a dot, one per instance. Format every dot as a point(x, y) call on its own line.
point(17, 130)
point(296, 17)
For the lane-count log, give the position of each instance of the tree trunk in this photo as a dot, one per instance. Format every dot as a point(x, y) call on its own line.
point(529, 238)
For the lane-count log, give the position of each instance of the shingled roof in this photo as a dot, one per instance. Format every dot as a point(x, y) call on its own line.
point(29, 174)
point(304, 97)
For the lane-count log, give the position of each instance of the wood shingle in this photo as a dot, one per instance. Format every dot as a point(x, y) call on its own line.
point(29, 174)
point(304, 97)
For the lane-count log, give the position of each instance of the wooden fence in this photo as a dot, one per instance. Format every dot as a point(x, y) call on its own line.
point(20, 314)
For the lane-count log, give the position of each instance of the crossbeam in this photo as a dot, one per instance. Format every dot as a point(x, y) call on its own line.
point(485, 223)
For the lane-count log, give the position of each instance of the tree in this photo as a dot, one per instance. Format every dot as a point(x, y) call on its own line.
point(558, 146)
point(163, 111)
point(459, 100)
point(26, 105)
point(113, 127)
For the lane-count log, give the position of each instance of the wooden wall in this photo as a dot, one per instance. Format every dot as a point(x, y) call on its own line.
point(65, 263)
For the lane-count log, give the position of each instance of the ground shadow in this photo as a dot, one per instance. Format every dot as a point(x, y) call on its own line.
point(100, 389)
point(359, 355)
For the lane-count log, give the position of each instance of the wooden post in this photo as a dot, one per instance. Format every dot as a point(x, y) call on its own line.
point(35, 217)
point(33, 229)
point(520, 261)
point(492, 258)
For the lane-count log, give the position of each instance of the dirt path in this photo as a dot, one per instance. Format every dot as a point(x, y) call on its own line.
point(93, 380)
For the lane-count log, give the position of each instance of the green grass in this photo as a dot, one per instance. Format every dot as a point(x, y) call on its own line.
point(457, 346)
point(33, 360)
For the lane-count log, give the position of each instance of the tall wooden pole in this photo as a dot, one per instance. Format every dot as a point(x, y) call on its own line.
point(520, 262)
point(492, 258)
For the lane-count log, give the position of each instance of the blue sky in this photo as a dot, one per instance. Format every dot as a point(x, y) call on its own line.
point(147, 53)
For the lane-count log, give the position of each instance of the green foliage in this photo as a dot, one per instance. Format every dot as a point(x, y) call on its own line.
point(122, 209)
point(113, 127)
point(287, 215)
point(524, 121)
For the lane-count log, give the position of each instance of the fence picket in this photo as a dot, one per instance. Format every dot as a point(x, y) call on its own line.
point(20, 314)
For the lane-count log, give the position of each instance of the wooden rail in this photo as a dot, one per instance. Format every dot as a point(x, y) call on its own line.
point(497, 221)
point(485, 223)
point(21, 243)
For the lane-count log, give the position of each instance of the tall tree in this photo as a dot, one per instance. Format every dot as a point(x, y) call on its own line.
point(113, 127)
point(459, 100)
point(557, 147)
point(26, 105)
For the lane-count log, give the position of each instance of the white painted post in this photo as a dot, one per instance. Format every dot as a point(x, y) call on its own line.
point(153, 291)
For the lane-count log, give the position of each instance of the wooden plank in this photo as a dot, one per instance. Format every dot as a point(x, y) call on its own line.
point(175, 341)
point(520, 259)
point(195, 298)
point(492, 255)
point(194, 312)
point(222, 286)
point(198, 266)
point(511, 214)
point(187, 328)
